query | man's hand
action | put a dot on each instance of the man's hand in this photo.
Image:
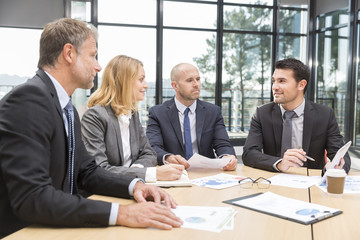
(292, 158)
(147, 214)
(232, 163)
(339, 166)
(177, 159)
(169, 172)
(143, 193)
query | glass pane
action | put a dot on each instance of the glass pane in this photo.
(259, 2)
(246, 79)
(193, 47)
(333, 19)
(293, 21)
(248, 18)
(357, 122)
(331, 72)
(19, 56)
(127, 12)
(138, 43)
(292, 47)
(197, 15)
(81, 10)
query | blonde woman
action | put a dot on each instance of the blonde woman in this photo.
(111, 128)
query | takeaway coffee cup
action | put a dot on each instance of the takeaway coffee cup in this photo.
(335, 181)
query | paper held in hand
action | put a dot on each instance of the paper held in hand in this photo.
(199, 161)
(336, 160)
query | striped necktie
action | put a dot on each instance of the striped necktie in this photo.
(69, 112)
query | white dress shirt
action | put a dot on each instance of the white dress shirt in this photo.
(124, 123)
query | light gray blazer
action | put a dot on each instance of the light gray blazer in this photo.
(102, 138)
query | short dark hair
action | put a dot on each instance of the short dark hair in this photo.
(301, 71)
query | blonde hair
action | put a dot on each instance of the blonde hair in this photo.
(116, 88)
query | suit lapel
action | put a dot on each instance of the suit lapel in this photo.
(277, 127)
(115, 124)
(47, 81)
(132, 139)
(307, 125)
(200, 118)
(173, 115)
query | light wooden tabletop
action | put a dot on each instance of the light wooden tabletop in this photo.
(344, 226)
(247, 224)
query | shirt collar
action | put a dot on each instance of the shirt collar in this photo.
(61, 93)
(181, 107)
(299, 110)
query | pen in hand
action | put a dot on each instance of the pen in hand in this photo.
(310, 158)
(169, 163)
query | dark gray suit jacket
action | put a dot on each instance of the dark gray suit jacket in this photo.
(164, 132)
(33, 164)
(320, 131)
(102, 138)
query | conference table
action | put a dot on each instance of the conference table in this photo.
(248, 224)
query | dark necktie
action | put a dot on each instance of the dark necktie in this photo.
(69, 112)
(287, 131)
(187, 135)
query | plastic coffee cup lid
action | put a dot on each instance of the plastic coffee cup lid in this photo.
(336, 172)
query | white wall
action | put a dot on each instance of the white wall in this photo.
(30, 13)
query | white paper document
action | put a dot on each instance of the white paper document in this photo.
(294, 181)
(218, 181)
(352, 185)
(336, 160)
(284, 207)
(214, 219)
(199, 161)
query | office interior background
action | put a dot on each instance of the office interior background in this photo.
(234, 43)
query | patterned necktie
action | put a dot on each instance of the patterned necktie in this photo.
(69, 112)
(287, 131)
(187, 135)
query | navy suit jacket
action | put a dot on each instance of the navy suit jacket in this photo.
(164, 131)
(33, 164)
(320, 131)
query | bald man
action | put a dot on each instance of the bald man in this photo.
(165, 128)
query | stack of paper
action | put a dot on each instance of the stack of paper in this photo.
(219, 181)
(183, 181)
(214, 219)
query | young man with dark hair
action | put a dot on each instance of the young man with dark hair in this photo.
(284, 132)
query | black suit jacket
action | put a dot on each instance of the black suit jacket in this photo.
(33, 164)
(164, 131)
(320, 131)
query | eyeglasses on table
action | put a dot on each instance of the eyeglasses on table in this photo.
(260, 182)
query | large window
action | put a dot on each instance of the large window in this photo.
(19, 50)
(331, 72)
(293, 32)
(357, 62)
(246, 67)
(234, 53)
